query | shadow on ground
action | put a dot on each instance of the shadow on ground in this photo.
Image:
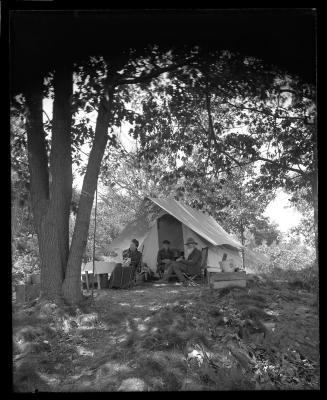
(170, 337)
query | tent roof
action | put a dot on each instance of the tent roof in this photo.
(201, 223)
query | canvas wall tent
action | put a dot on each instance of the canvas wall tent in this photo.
(160, 219)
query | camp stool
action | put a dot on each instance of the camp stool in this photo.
(190, 280)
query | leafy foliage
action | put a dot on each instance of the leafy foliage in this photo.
(302, 201)
(288, 254)
(229, 113)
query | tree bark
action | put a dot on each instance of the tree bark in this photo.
(242, 242)
(61, 160)
(315, 189)
(39, 186)
(71, 288)
(49, 203)
(315, 212)
(37, 155)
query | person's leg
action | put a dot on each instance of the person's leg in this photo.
(167, 273)
(179, 268)
(161, 269)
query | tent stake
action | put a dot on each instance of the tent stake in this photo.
(95, 227)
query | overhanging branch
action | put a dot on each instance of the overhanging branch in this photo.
(145, 77)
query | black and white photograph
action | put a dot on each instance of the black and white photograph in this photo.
(164, 199)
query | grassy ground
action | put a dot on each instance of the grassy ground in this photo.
(170, 337)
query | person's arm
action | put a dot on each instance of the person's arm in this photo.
(195, 258)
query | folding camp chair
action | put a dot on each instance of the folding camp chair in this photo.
(190, 279)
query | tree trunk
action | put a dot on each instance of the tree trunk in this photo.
(49, 204)
(39, 186)
(61, 160)
(315, 190)
(49, 246)
(315, 212)
(71, 287)
(242, 242)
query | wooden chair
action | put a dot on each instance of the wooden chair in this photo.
(192, 278)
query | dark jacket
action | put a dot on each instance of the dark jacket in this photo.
(163, 254)
(135, 256)
(193, 262)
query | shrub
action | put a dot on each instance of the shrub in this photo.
(287, 255)
(25, 258)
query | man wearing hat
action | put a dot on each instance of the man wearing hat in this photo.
(190, 266)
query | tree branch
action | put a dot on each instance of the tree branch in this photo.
(79, 149)
(280, 165)
(47, 116)
(268, 114)
(211, 127)
(127, 188)
(145, 77)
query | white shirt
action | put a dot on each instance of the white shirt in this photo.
(188, 252)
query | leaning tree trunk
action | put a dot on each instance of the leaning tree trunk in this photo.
(315, 200)
(49, 202)
(242, 242)
(315, 212)
(71, 288)
(315, 190)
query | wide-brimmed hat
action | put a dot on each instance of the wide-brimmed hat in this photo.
(190, 241)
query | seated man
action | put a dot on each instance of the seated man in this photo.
(165, 255)
(190, 266)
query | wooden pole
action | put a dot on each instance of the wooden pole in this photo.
(94, 233)
(87, 281)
